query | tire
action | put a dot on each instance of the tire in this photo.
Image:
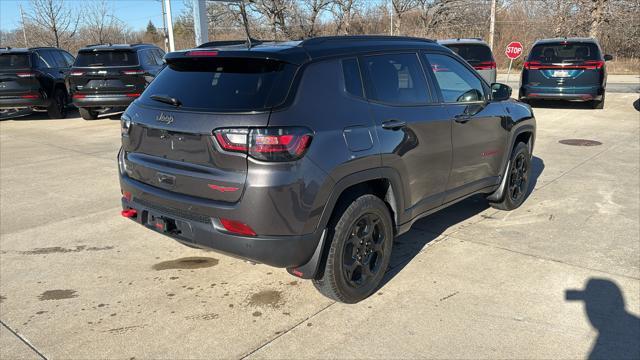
(88, 114)
(359, 254)
(598, 104)
(518, 179)
(58, 107)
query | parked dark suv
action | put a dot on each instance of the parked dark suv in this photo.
(565, 69)
(33, 79)
(314, 155)
(477, 53)
(107, 78)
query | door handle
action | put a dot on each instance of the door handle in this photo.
(462, 118)
(393, 124)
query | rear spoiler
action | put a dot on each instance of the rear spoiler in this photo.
(294, 56)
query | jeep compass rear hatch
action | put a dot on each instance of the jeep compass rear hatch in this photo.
(17, 79)
(106, 72)
(564, 64)
(189, 132)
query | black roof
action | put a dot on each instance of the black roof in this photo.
(567, 39)
(24, 50)
(299, 52)
(99, 47)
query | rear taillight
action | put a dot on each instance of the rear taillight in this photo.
(76, 73)
(79, 96)
(485, 65)
(26, 75)
(532, 65)
(134, 95)
(593, 64)
(31, 96)
(133, 72)
(267, 144)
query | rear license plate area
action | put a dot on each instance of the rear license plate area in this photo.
(561, 73)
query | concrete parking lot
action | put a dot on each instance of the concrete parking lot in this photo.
(79, 281)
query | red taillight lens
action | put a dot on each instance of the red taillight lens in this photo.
(267, 144)
(593, 64)
(532, 65)
(26, 75)
(202, 53)
(79, 96)
(232, 139)
(76, 73)
(133, 72)
(31, 96)
(133, 95)
(485, 65)
(237, 227)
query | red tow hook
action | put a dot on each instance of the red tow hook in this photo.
(129, 213)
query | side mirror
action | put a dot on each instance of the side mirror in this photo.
(500, 92)
(608, 57)
(471, 96)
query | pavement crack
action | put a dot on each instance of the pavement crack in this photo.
(24, 340)
(287, 331)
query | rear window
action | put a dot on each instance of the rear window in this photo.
(564, 52)
(14, 61)
(223, 84)
(106, 58)
(472, 53)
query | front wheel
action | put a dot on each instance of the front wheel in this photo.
(518, 177)
(359, 253)
(88, 114)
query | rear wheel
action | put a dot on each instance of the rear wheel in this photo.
(518, 177)
(88, 114)
(58, 107)
(598, 104)
(360, 251)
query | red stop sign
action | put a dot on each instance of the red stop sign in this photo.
(514, 50)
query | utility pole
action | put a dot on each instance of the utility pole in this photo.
(492, 26)
(24, 32)
(167, 4)
(200, 21)
(164, 27)
(391, 16)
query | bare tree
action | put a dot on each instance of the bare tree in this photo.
(344, 12)
(100, 22)
(400, 8)
(58, 21)
(598, 17)
(277, 12)
(308, 15)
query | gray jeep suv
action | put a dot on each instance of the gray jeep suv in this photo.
(313, 155)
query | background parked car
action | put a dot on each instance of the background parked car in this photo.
(565, 69)
(33, 79)
(106, 78)
(477, 53)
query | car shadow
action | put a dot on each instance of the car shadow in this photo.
(559, 104)
(426, 230)
(618, 330)
(72, 112)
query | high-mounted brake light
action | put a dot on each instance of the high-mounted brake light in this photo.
(133, 72)
(202, 53)
(236, 227)
(76, 73)
(267, 144)
(26, 75)
(485, 65)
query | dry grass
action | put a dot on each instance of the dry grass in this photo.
(624, 66)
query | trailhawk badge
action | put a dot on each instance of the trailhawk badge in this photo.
(164, 118)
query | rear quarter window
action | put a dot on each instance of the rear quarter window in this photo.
(352, 79)
(223, 84)
(106, 58)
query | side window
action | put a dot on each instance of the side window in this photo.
(44, 59)
(68, 58)
(147, 59)
(159, 56)
(396, 79)
(456, 82)
(59, 59)
(352, 80)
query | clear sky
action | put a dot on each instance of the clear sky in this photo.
(135, 13)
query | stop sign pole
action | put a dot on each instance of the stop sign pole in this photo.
(513, 51)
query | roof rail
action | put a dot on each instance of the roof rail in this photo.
(94, 45)
(229, 43)
(141, 43)
(323, 39)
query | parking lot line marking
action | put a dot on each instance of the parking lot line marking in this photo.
(24, 340)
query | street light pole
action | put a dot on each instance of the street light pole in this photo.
(167, 4)
(492, 26)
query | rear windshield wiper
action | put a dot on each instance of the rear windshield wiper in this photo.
(166, 99)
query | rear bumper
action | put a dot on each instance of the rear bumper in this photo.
(103, 101)
(579, 93)
(198, 231)
(10, 102)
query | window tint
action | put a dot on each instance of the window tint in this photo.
(223, 84)
(59, 59)
(45, 59)
(159, 55)
(352, 80)
(564, 52)
(474, 54)
(147, 58)
(456, 82)
(396, 78)
(14, 61)
(106, 58)
(68, 58)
